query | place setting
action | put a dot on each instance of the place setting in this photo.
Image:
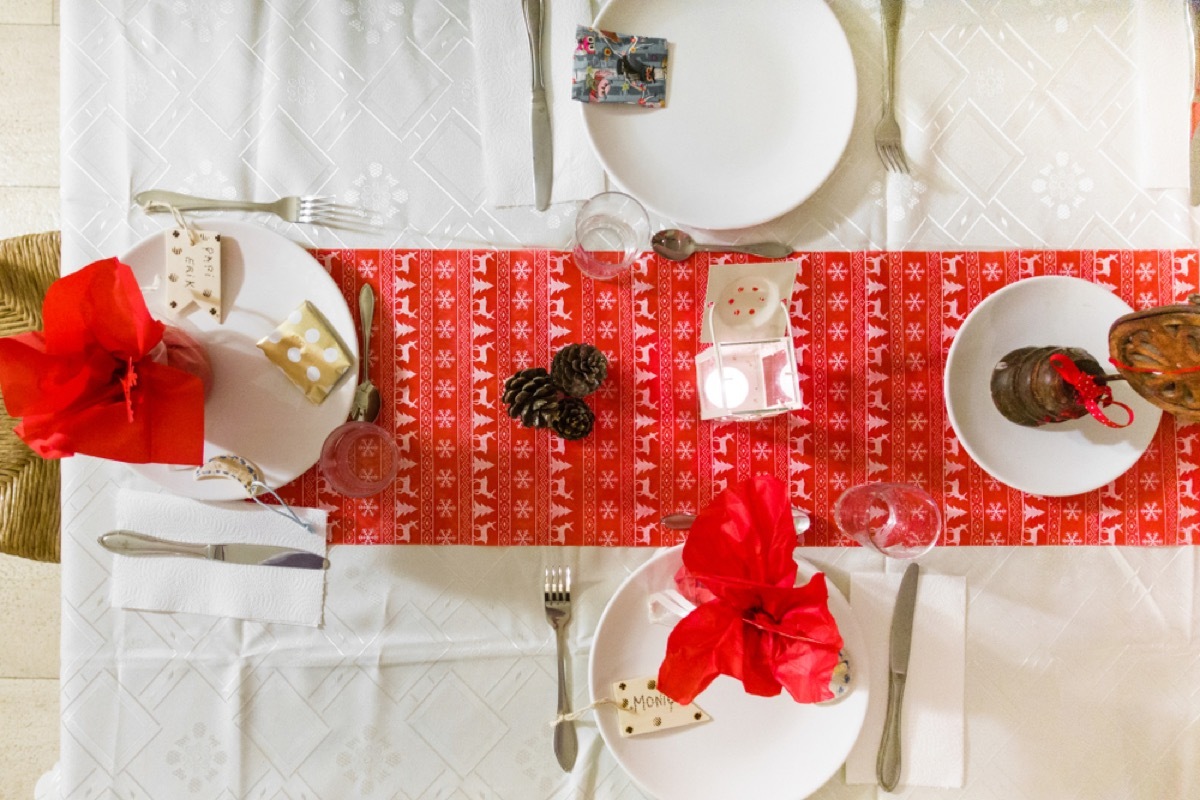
(233, 357)
(730, 664)
(639, 113)
(722, 146)
(722, 677)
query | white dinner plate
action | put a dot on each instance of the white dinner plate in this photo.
(761, 96)
(1053, 460)
(754, 746)
(252, 410)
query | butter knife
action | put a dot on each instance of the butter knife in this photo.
(128, 543)
(543, 149)
(1193, 10)
(887, 765)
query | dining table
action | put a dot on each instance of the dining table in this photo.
(1042, 138)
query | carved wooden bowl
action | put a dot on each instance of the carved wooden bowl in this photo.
(1158, 351)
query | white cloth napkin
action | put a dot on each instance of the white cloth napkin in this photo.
(932, 721)
(1164, 86)
(194, 586)
(503, 76)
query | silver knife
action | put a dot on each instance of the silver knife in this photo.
(543, 149)
(887, 765)
(128, 543)
(1193, 10)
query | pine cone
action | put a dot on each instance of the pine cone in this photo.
(574, 420)
(579, 369)
(532, 397)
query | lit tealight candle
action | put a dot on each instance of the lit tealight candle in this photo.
(787, 384)
(737, 388)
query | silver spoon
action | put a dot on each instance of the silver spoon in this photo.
(679, 245)
(682, 522)
(366, 397)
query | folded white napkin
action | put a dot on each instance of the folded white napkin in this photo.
(931, 723)
(503, 73)
(195, 586)
(1164, 86)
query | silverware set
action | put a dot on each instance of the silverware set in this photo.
(129, 543)
(887, 132)
(307, 210)
(679, 245)
(543, 148)
(682, 522)
(887, 762)
(365, 407)
(557, 594)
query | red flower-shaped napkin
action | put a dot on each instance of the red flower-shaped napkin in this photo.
(88, 382)
(751, 622)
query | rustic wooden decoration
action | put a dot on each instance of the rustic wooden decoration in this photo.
(1158, 351)
(1028, 391)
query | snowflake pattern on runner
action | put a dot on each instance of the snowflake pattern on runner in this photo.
(871, 329)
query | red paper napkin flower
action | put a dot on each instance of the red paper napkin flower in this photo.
(752, 622)
(88, 384)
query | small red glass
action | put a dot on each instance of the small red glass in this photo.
(359, 459)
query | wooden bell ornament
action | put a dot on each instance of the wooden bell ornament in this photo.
(1028, 390)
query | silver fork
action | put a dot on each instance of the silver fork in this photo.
(558, 614)
(887, 132)
(306, 210)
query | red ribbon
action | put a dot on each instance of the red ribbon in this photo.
(1154, 370)
(128, 381)
(1091, 394)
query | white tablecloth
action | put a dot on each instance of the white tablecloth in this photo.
(1027, 125)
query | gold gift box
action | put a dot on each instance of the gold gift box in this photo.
(309, 351)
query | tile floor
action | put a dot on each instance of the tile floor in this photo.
(29, 203)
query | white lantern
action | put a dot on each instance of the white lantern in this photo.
(750, 371)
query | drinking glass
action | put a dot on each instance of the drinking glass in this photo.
(359, 459)
(610, 230)
(898, 520)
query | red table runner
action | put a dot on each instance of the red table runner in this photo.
(871, 331)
